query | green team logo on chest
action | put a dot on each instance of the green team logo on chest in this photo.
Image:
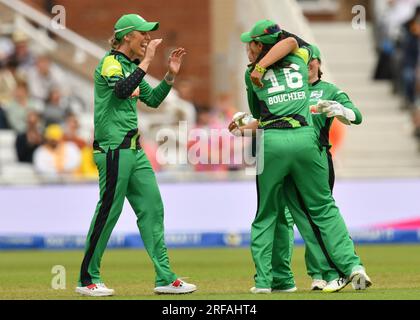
(316, 95)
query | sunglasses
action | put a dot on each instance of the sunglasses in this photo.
(270, 30)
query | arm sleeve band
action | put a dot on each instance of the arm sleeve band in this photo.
(125, 87)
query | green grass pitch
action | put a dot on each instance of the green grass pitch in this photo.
(219, 274)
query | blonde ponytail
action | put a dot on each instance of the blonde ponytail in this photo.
(114, 43)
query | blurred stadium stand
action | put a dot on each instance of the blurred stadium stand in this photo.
(77, 58)
(383, 146)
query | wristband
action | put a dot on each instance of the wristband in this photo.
(260, 69)
(169, 79)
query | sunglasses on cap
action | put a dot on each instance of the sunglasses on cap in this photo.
(270, 30)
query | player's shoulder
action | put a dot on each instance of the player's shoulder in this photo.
(110, 65)
(329, 85)
(333, 89)
(304, 53)
(111, 58)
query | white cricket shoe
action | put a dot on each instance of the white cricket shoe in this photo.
(359, 279)
(318, 284)
(176, 287)
(290, 290)
(95, 290)
(260, 290)
(336, 285)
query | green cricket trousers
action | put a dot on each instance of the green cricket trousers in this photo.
(318, 262)
(295, 153)
(126, 173)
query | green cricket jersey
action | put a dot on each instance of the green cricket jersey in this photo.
(283, 100)
(322, 90)
(115, 119)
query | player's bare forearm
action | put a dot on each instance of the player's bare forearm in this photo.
(276, 53)
(144, 65)
(279, 51)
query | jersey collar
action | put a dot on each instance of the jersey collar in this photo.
(119, 53)
(315, 83)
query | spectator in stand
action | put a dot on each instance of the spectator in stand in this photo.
(7, 79)
(186, 90)
(4, 124)
(416, 122)
(410, 48)
(56, 157)
(71, 131)
(22, 57)
(43, 77)
(225, 107)
(17, 110)
(56, 108)
(410, 68)
(389, 23)
(210, 150)
(87, 167)
(27, 142)
(6, 49)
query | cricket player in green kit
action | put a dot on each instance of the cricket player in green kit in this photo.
(124, 170)
(326, 102)
(291, 149)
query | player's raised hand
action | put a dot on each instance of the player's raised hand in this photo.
(150, 54)
(256, 78)
(151, 49)
(175, 61)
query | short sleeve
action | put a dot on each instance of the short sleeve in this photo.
(303, 53)
(111, 71)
